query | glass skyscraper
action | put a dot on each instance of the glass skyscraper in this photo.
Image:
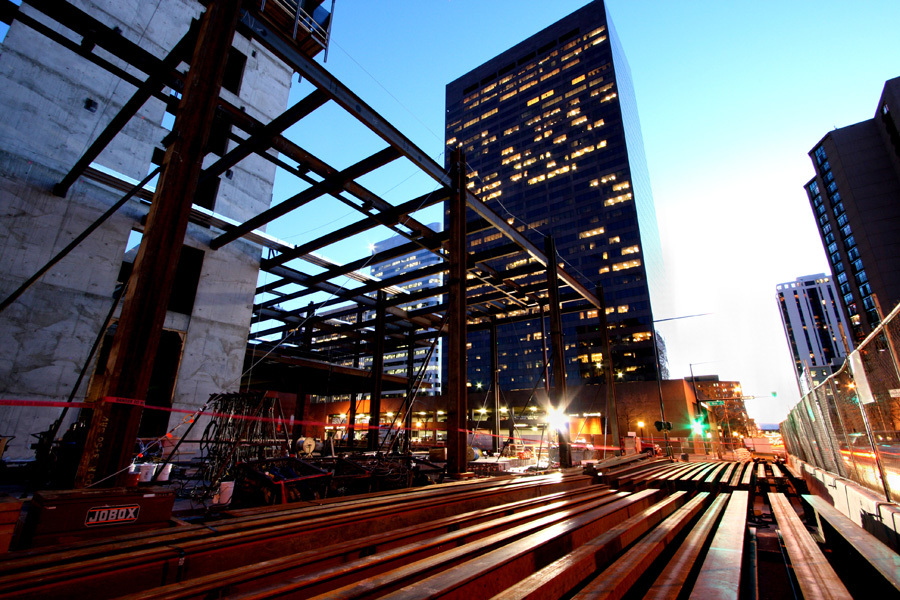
(553, 143)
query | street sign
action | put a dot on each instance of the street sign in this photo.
(715, 403)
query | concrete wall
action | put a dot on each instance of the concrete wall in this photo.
(45, 128)
(863, 507)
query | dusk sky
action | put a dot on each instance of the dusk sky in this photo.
(731, 96)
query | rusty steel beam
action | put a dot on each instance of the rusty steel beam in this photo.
(612, 407)
(457, 394)
(156, 80)
(313, 72)
(353, 104)
(110, 440)
(388, 217)
(374, 435)
(261, 139)
(496, 446)
(329, 185)
(560, 400)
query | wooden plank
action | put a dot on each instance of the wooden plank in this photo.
(482, 561)
(814, 574)
(736, 476)
(793, 472)
(726, 476)
(136, 567)
(612, 477)
(509, 571)
(678, 471)
(673, 578)
(748, 476)
(321, 568)
(561, 577)
(467, 495)
(643, 476)
(776, 472)
(884, 560)
(720, 576)
(616, 580)
(716, 476)
(704, 472)
(720, 472)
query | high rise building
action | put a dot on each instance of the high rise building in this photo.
(814, 326)
(395, 362)
(552, 141)
(855, 197)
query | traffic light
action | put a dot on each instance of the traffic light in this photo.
(697, 426)
(661, 425)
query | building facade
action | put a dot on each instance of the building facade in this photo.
(55, 103)
(395, 362)
(814, 326)
(855, 198)
(552, 141)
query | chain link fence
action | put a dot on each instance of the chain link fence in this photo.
(850, 424)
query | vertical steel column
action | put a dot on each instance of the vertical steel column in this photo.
(546, 356)
(410, 389)
(374, 438)
(110, 442)
(457, 400)
(612, 417)
(354, 397)
(307, 335)
(495, 386)
(560, 402)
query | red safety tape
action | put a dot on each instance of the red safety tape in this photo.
(48, 403)
(118, 400)
(357, 427)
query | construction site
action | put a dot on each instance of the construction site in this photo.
(193, 407)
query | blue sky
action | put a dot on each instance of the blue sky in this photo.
(731, 95)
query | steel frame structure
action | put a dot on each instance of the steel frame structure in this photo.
(333, 334)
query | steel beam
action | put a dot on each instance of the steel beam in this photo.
(110, 441)
(457, 393)
(612, 413)
(156, 80)
(261, 139)
(329, 185)
(560, 401)
(354, 105)
(495, 387)
(374, 437)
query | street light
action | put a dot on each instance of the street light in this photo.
(662, 408)
(641, 426)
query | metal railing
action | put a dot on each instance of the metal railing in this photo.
(850, 424)
(317, 24)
